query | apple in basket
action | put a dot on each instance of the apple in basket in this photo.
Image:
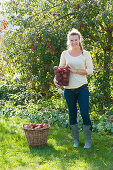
(60, 83)
(39, 126)
(58, 76)
(32, 126)
(65, 75)
(45, 125)
(55, 67)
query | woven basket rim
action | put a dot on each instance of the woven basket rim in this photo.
(36, 129)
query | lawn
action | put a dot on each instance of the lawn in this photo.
(58, 154)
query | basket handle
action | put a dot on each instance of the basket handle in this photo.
(47, 120)
(25, 124)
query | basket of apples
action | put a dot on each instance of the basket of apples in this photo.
(37, 134)
(62, 75)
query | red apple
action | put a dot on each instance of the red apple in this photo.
(55, 72)
(65, 80)
(27, 126)
(65, 83)
(54, 48)
(37, 126)
(37, 34)
(41, 126)
(85, 27)
(101, 86)
(55, 67)
(80, 28)
(65, 71)
(110, 117)
(51, 51)
(104, 97)
(77, 6)
(62, 68)
(44, 87)
(59, 79)
(34, 125)
(65, 17)
(58, 15)
(48, 44)
(36, 39)
(60, 83)
(31, 126)
(32, 48)
(65, 75)
(45, 125)
(58, 70)
(58, 75)
(47, 65)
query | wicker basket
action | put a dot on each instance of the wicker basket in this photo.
(37, 137)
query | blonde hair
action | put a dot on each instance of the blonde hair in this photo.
(75, 32)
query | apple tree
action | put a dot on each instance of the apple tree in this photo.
(35, 44)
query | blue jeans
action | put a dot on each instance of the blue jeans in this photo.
(80, 95)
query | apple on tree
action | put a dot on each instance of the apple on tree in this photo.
(77, 6)
(49, 44)
(54, 48)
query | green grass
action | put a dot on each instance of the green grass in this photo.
(58, 154)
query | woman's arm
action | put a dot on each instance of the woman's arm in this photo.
(77, 71)
(88, 65)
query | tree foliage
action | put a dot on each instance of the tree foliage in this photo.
(35, 44)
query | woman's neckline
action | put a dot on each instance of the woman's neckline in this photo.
(73, 56)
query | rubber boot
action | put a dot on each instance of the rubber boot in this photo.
(75, 134)
(87, 134)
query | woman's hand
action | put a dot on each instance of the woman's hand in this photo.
(56, 82)
(77, 71)
(71, 69)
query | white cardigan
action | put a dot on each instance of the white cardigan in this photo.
(83, 61)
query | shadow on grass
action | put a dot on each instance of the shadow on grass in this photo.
(60, 147)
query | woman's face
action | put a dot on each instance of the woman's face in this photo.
(74, 41)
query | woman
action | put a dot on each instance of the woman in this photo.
(80, 64)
